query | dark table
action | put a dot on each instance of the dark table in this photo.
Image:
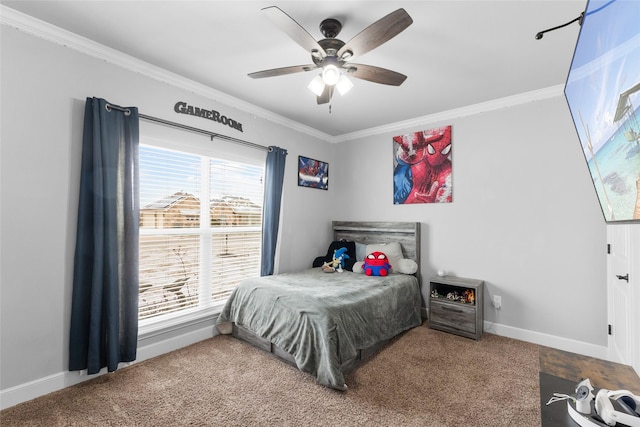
(556, 413)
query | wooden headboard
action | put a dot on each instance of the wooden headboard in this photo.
(407, 233)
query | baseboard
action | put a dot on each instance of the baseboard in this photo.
(32, 389)
(560, 343)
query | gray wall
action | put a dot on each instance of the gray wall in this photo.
(524, 216)
(43, 88)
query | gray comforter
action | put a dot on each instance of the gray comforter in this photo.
(323, 319)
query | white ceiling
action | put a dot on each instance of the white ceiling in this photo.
(455, 54)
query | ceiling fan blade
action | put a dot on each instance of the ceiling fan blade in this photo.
(377, 33)
(376, 74)
(282, 71)
(293, 29)
(326, 95)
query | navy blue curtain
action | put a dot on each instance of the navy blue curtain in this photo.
(273, 180)
(104, 311)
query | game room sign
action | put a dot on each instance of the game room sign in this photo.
(184, 108)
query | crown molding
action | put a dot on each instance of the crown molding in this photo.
(57, 35)
(53, 34)
(470, 110)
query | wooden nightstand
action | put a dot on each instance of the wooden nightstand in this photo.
(456, 305)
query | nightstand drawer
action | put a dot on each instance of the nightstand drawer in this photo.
(453, 315)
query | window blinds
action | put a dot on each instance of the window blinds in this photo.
(200, 229)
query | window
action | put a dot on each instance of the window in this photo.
(200, 229)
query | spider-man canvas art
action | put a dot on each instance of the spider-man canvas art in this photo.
(422, 167)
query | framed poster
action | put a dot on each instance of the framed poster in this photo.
(422, 167)
(313, 173)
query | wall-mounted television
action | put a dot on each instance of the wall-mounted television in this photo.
(603, 93)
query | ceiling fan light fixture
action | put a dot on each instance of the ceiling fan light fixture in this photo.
(330, 74)
(344, 85)
(346, 55)
(331, 55)
(316, 55)
(317, 85)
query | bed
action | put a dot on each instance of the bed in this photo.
(328, 324)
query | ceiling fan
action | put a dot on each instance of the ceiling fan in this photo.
(332, 55)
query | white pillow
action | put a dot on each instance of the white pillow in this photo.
(392, 250)
(406, 266)
(361, 251)
(357, 267)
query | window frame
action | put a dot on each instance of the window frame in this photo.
(177, 140)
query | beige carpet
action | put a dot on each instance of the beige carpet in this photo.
(424, 378)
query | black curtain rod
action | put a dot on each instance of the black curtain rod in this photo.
(202, 131)
(191, 129)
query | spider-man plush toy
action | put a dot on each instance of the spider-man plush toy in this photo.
(376, 264)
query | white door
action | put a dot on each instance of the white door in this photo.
(620, 316)
(635, 296)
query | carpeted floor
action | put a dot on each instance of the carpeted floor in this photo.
(424, 378)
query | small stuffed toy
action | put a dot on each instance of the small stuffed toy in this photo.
(376, 264)
(337, 264)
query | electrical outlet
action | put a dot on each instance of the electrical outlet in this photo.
(497, 301)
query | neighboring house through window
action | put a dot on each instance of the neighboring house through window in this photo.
(200, 229)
